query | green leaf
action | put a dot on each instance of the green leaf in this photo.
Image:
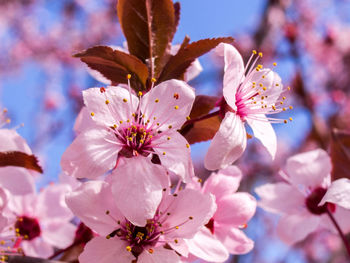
(148, 26)
(340, 154)
(20, 159)
(178, 64)
(116, 65)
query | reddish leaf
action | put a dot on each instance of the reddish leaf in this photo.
(340, 154)
(115, 65)
(178, 64)
(202, 130)
(177, 9)
(203, 105)
(20, 159)
(148, 26)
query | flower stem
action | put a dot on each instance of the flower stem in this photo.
(341, 234)
(209, 115)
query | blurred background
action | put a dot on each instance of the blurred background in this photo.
(41, 84)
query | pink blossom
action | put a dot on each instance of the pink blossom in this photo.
(250, 93)
(127, 126)
(303, 200)
(222, 234)
(178, 216)
(40, 221)
(17, 180)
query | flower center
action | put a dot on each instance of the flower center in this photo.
(28, 227)
(136, 139)
(137, 237)
(314, 199)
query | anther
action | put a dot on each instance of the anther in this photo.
(163, 153)
(92, 114)
(156, 101)
(176, 107)
(107, 102)
(275, 64)
(190, 217)
(176, 96)
(128, 76)
(188, 118)
(153, 80)
(125, 100)
(102, 89)
(139, 93)
(128, 248)
(187, 145)
(260, 54)
(290, 118)
(150, 251)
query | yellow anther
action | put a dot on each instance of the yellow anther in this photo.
(254, 52)
(285, 121)
(128, 76)
(290, 118)
(260, 84)
(2, 242)
(176, 107)
(188, 118)
(291, 107)
(283, 98)
(115, 126)
(190, 217)
(154, 118)
(108, 237)
(134, 115)
(120, 122)
(26, 237)
(125, 100)
(92, 114)
(128, 248)
(177, 227)
(260, 66)
(176, 241)
(262, 97)
(260, 54)
(163, 153)
(277, 84)
(156, 101)
(170, 126)
(288, 88)
(275, 64)
(254, 83)
(273, 107)
(257, 69)
(107, 102)
(263, 76)
(284, 109)
(264, 88)
(141, 141)
(187, 145)
(199, 180)
(281, 102)
(153, 80)
(139, 93)
(150, 250)
(168, 138)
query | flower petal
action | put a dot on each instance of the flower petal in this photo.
(83, 121)
(228, 143)
(263, 131)
(234, 72)
(236, 209)
(103, 250)
(91, 154)
(37, 248)
(189, 210)
(59, 235)
(204, 245)
(310, 169)
(338, 193)
(159, 255)
(118, 108)
(235, 241)
(275, 198)
(137, 188)
(170, 103)
(12, 141)
(224, 182)
(295, 227)
(17, 180)
(174, 153)
(90, 202)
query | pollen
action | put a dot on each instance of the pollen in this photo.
(168, 138)
(139, 93)
(150, 251)
(260, 54)
(274, 64)
(128, 248)
(153, 80)
(156, 101)
(125, 100)
(187, 145)
(188, 118)
(128, 76)
(92, 114)
(176, 107)
(107, 102)
(290, 118)
(176, 96)
(163, 153)
(102, 90)
(283, 98)
(254, 52)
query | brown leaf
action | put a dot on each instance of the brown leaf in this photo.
(115, 65)
(20, 159)
(202, 130)
(203, 105)
(148, 26)
(340, 154)
(178, 64)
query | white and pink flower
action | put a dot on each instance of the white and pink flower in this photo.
(250, 93)
(178, 216)
(125, 126)
(223, 235)
(306, 197)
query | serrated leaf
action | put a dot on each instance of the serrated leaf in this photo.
(115, 65)
(148, 26)
(20, 159)
(178, 64)
(340, 154)
(202, 130)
